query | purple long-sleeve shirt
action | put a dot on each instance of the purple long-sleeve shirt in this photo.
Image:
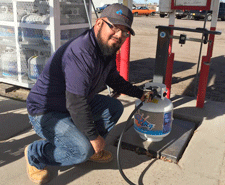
(70, 79)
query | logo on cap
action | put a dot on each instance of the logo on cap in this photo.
(120, 12)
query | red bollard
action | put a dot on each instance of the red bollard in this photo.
(125, 59)
(204, 72)
(203, 80)
(169, 73)
(169, 67)
(118, 61)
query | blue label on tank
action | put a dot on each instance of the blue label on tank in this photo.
(144, 126)
(149, 132)
(167, 122)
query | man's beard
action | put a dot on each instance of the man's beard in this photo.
(105, 49)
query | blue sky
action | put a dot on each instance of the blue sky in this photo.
(143, 1)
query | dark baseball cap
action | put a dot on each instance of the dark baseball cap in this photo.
(119, 14)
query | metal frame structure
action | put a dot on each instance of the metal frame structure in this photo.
(205, 64)
(54, 27)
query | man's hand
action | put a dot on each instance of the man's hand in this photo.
(98, 144)
(146, 97)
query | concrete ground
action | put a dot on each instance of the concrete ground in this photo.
(203, 161)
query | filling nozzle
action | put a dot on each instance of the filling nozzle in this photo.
(154, 90)
(158, 89)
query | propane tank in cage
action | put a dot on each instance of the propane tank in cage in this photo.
(153, 121)
(5, 13)
(35, 66)
(9, 68)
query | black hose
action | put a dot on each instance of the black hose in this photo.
(119, 145)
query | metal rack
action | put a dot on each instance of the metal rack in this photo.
(32, 30)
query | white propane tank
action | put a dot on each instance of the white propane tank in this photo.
(153, 121)
(35, 66)
(30, 35)
(5, 14)
(9, 63)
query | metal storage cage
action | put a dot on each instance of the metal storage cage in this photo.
(31, 31)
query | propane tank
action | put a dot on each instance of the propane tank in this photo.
(30, 35)
(5, 14)
(9, 63)
(153, 121)
(35, 66)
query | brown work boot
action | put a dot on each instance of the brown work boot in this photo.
(102, 157)
(34, 174)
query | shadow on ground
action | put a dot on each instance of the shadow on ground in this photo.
(209, 112)
(143, 70)
(215, 90)
(13, 150)
(14, 119)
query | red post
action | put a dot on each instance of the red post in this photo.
(169, 67)
(204, 72)
(169, 73)
(125, 59)
(118, 61)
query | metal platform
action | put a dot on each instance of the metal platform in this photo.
(170, 148)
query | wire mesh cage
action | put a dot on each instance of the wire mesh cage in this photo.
(7, 34)
(30, 31)
(9, 64)
(66, 35)
(72, 13)
(6, 11)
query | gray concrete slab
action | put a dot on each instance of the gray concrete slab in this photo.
(202, 162)
(170, 148)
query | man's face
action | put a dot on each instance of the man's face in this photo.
(110, 39)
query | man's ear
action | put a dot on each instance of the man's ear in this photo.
(97, 26)
(99, 22)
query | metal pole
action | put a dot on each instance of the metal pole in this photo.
(85, 5)
(94, 8)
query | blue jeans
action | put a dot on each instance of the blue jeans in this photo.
(63, 144)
